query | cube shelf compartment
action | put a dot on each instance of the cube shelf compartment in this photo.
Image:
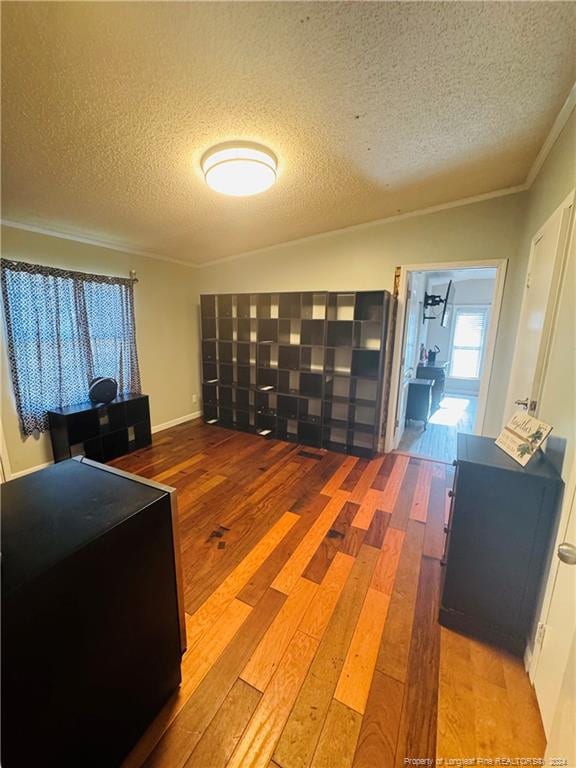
(288, 406)
(267, 330)
(305, 367)
(289, 382)
(312, 332)
(289, 331)
(339, 333)
(289, 358)
(209, 328)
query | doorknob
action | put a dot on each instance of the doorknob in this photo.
(523, 403)
(567, 553)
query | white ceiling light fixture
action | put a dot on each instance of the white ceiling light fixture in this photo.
(239, 168)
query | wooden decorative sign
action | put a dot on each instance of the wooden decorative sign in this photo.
(522, 437)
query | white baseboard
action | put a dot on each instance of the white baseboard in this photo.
(175, 422)
(157, 428)
(528, 658)
(22, 472)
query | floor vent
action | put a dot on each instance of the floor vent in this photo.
(308, 455)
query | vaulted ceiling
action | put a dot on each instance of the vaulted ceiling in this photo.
(372, 108)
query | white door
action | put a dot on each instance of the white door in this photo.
(412, 318)
(536, 317)
(559, 626)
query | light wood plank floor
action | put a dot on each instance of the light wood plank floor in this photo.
(457, 413)
(312, 584)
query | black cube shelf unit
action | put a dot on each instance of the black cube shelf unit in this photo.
(303, 367)
(101, 432)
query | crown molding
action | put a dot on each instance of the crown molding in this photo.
(375, 223)
(94, 241)
(555, 131)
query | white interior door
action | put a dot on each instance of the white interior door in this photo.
(560, 627)
(409, 354)
(540, 292)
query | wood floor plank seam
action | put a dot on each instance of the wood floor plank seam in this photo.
(295, 566)
(404, 482)
(300, 736)
(178, 743)
(418, 723)
(419, 509)
(267, 572)
(342, 536)
(173, 470)
(388, 559)
(225, 730)
(339, 476)
(314, 622)
(378, 738)
(355, 678)
(337, 742)
(259, 740)
(367, 478)
(394, 484)
(213, 608)
(270, 650)
(395, 645)
(247, 508)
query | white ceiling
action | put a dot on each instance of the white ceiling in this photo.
(374, 109)
(458, 275)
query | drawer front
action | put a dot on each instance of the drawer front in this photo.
(448, 526)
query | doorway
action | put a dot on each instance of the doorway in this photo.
(447, 328)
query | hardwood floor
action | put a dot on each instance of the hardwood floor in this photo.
(312, 583)
(438, 441)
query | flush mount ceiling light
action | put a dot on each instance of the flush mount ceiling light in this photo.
(239, 168)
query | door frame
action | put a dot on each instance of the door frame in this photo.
(565, 242)
(532, 655)
(533, 652)
(501, 266)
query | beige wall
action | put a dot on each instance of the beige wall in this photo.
(166, 302)
(365, 258)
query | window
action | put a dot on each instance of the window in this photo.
(63, 330)
(469, 331)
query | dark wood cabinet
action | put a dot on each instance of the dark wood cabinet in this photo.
(502, 520)
(437, 373)
(103, 432)
(419, 403)
(303, 367)
(92, 619)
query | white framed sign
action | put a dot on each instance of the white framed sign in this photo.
(522, 437)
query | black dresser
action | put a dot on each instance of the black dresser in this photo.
(103, 432)
(437, 373)
(499, 533)
(92, 628)
(419, 403)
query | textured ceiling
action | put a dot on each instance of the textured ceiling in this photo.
(372, 108)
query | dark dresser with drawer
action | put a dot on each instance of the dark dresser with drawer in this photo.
(437, 373)
(499, 533)
(419, 403)
(102, 432)
(92, 616)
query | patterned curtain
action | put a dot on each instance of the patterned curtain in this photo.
(63, 330)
